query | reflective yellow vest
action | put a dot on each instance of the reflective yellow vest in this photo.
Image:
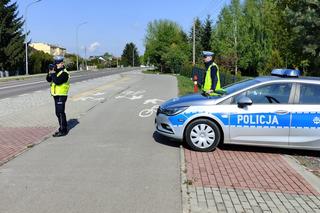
(208, 80)
(60, 90)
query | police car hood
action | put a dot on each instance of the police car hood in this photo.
(190, 100)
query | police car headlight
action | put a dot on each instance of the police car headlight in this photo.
(174, 110)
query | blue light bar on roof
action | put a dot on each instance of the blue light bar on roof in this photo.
(285, 73)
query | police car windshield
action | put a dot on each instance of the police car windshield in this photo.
(240, 85)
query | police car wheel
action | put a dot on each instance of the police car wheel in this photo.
(203, 135)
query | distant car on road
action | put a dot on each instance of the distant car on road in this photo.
(281, 110)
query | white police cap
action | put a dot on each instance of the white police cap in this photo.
(58, 59)
(207, 53)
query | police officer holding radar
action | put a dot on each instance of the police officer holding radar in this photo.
(211, 84)
(59, 80)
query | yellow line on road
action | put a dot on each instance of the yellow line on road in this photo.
(97, 89)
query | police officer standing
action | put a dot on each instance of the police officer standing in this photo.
(59, 80)
(211, 84)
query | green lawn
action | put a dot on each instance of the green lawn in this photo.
(185, 85)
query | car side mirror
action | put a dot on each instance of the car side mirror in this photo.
(244, 101)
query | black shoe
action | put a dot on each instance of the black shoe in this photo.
(59, 134)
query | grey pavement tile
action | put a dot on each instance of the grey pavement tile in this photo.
(294, 203)
(257, 209)
(228, 204)
(238, 208)
(231, 210)
(288, 205)
(271, 204)
(221, 207)
(226, 197)
(203, 205)
(253, 202)
(246, 205)
(315, 199)
(306, 207)
(264, 206)
(260, 200)
(300, 209)
(311, 204)
(243, 198)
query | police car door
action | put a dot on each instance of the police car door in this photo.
(267, 120)
(305, 126)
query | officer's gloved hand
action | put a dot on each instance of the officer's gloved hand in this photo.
(51, 68)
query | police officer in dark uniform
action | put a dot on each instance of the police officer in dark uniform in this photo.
(212, 85)
(59, 80)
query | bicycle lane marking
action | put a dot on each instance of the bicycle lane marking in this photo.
(149, 111)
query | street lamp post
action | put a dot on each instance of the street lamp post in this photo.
(26, 33)
(77, 41)
(132, 56)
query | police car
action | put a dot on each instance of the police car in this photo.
(281, 110)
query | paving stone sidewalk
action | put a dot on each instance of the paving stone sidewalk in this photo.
(244, 181)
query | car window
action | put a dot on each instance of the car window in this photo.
(278, 93)
(240, 85)
(309, 94)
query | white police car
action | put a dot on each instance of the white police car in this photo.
(282, 110)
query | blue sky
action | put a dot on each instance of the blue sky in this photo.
(110, 24)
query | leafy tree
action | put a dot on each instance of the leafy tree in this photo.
(11, 37)
(71, 61)
(166, 45)
(198, 45)
(39, 61)
(206, 34)
(130, 55)
(304, 19)
(226, 40)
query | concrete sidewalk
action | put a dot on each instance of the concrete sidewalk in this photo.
(228, 180)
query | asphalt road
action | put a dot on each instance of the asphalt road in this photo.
(111, 161)
(31, 84)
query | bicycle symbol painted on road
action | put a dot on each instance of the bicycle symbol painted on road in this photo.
(149, 111)
(131, 95)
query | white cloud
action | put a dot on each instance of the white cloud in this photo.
(94, 46)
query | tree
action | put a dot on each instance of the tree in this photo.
(39, 61)
(70, 61)
(11, 37)
(166, 45)
(304, 19)
(130, 55)
(198, 45)
(226, 40)
(206, 34)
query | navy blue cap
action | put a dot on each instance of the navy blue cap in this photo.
(58, 59)
(51, 66)
(207, 53)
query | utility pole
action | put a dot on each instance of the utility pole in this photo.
(194, 43)
(26, 34)
(85, 58)
(132, 56)
(77, 41)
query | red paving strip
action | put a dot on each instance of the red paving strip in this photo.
(13, 141)
(245, 170)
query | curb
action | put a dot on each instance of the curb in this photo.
(185, 198)
(311, 178)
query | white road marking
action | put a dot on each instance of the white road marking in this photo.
(153, 101)
(148, 112)
(131, 95)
